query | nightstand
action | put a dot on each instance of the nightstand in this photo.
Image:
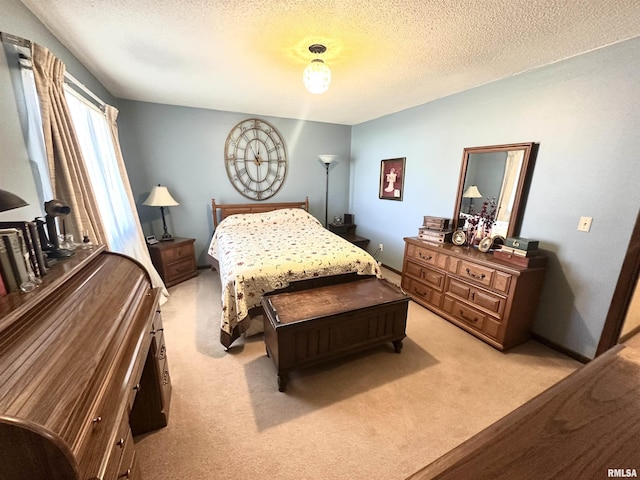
(348, 232)
(175, 260)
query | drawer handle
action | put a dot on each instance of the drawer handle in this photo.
(422, 294)
(473, 296)
(138, 387)
(472, 320)
(126, 474)
(165, 378)
(153, 332)
(120, 442)
(163, 352)
(97, 419)
(424, 257)
(473, 275)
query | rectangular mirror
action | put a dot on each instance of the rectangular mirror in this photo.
(499, 172)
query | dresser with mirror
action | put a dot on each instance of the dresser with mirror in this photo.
(492, 299)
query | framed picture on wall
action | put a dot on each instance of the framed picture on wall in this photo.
(392, 178)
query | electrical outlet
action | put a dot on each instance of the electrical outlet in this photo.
(381, 247)
(585, 224)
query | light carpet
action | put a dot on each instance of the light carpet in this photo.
(375, 415)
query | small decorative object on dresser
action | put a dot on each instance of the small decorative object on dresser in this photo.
(435, 229)
(459, 237)
(493, 300)
(485, 244)
(175, 261)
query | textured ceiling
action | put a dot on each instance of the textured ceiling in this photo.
(385, 55)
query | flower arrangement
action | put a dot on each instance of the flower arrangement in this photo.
(484, 220)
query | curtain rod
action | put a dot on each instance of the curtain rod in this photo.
(15, 40)
(69, 79)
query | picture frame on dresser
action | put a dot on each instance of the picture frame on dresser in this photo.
(392, 173)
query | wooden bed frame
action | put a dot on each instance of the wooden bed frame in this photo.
(227, 209)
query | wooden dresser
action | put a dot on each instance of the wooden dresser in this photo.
(83, 369)
(494, 300)
(584, 427)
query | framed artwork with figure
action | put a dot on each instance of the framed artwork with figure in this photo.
(392, 178)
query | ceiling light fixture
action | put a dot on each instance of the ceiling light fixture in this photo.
(317, 76)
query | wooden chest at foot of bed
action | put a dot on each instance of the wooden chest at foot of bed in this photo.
(312, 326)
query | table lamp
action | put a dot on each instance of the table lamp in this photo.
(160, 197)
(9, 201)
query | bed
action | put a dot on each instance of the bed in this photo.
(259, 248)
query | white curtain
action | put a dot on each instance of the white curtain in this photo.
(35, 137)
(121, 226)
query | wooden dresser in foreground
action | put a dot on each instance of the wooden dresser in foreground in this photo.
(584, 427)
(83, 369)
(494, 300)
(175, 260)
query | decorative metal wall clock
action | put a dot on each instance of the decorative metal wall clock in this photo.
(256, 159)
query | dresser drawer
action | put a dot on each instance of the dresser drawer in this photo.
(122, 452)
(476, 273)
(487, 324)
(97, 447)
(178, 253)
(485, 276)
(157, 334)
(426, 275)
(166, 385)
(427, 256)
(464, 313)
(180, 269)
(422, 291)
(492, 303)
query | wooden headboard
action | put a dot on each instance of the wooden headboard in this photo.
(233, 208)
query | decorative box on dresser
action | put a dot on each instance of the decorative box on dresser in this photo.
(175, 260)
(494, 300)
(83, 369)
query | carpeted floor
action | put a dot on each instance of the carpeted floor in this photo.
(375, 416)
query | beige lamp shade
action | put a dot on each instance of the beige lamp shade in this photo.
(472, 192)
(160, 197)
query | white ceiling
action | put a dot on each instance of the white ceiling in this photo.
(385, 55)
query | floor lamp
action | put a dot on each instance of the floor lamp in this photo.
(326, 159)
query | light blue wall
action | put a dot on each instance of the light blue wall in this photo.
(585, 114)
(183, 148)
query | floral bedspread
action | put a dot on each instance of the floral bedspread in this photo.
(262, 252)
